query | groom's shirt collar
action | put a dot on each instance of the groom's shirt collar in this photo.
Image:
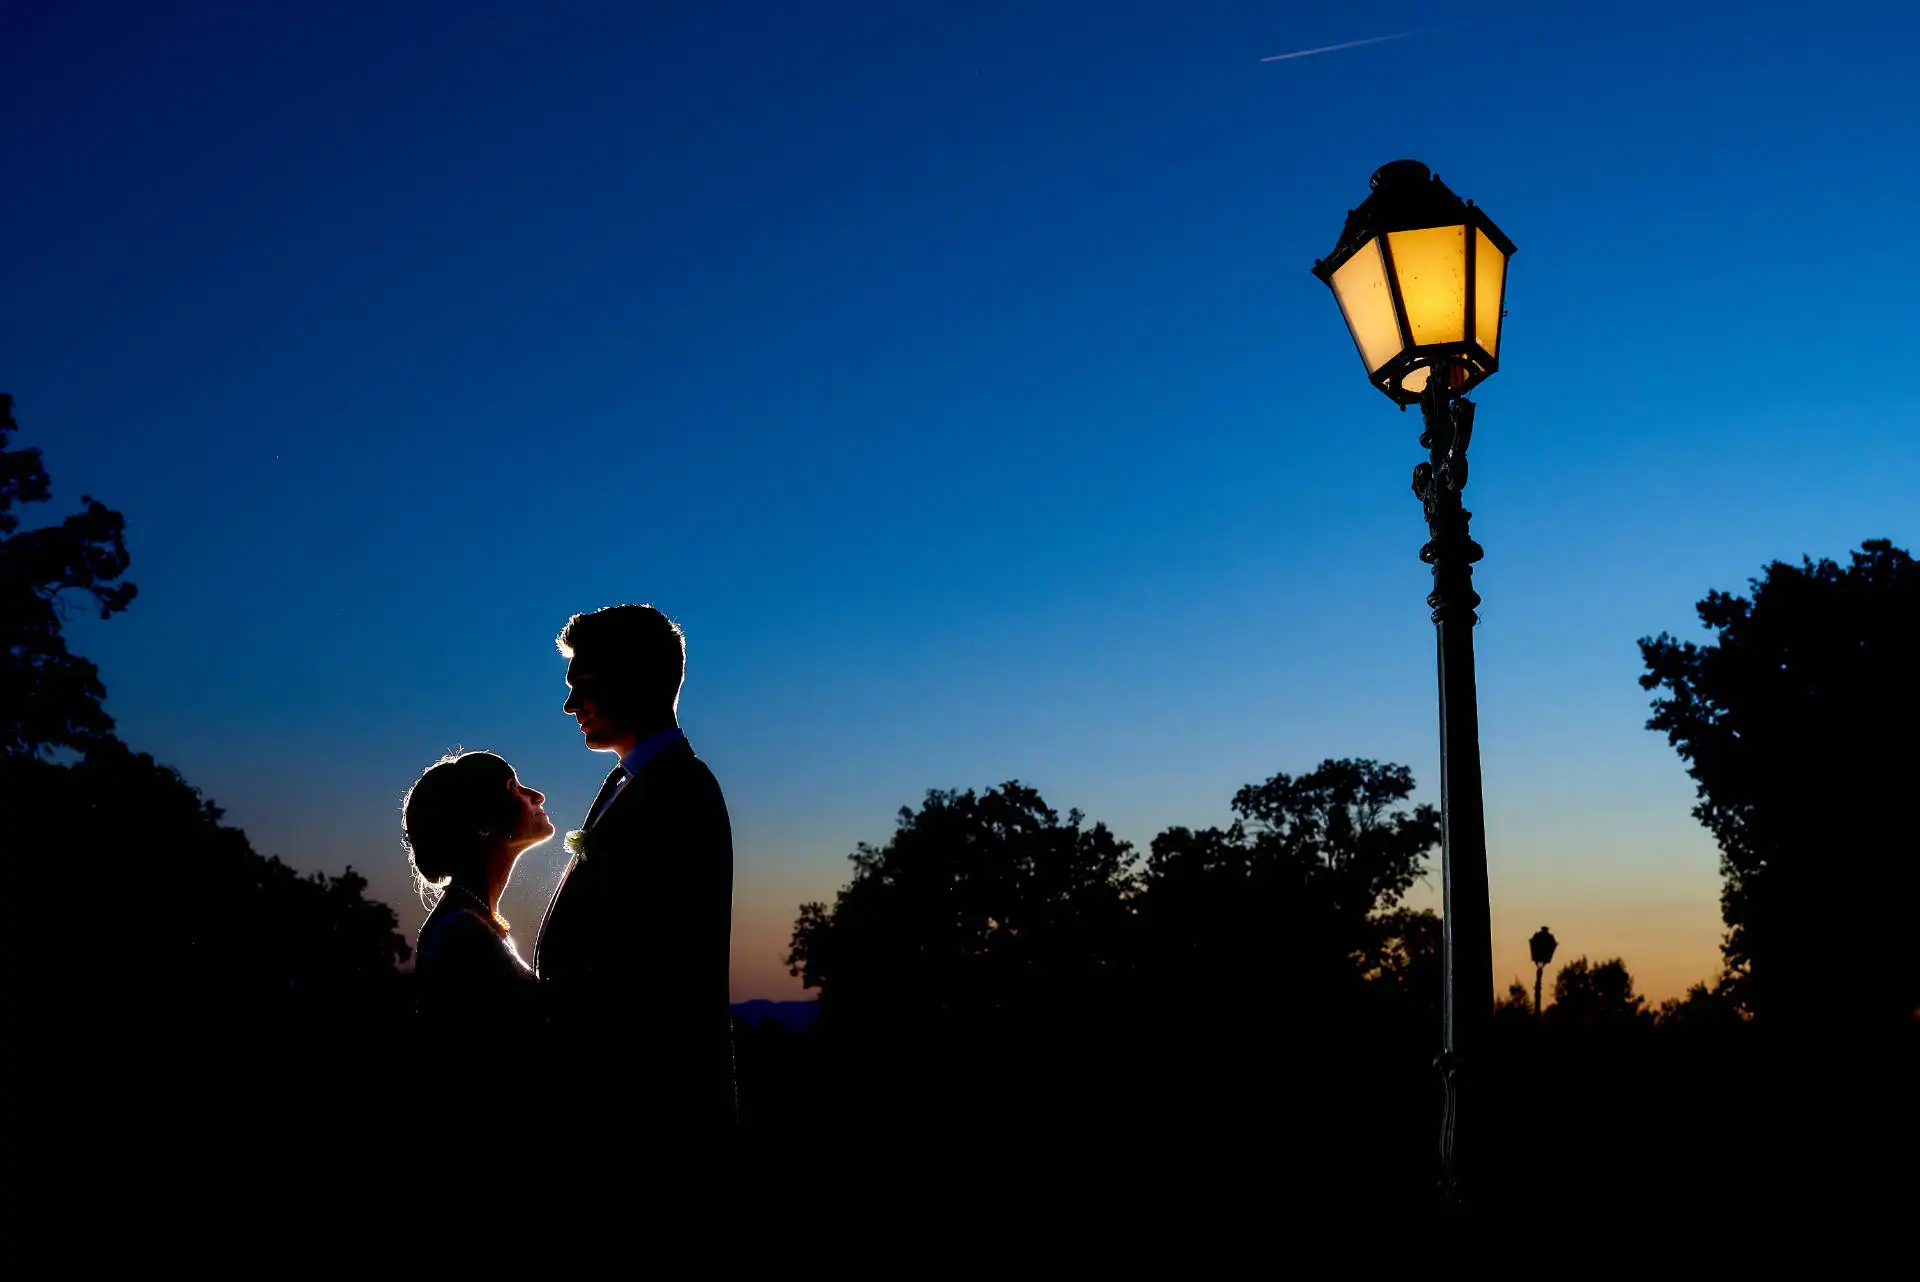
(650, 747)
(641, 753)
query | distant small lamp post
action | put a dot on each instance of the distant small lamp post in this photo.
(1421, 278)
(1541, 946)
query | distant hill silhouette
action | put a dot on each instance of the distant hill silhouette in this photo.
(795, 1017)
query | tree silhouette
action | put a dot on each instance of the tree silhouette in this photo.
(1704, 1009)
(989, 903)
(50, 698)
(1341, 829)
(1793, 724)
(119, 885)
(1301, 887)
(994, 964)
(174, 908)
(966, 970)
(980, 904)
(1515, 1010)
(1408, 957)
(1596, 996)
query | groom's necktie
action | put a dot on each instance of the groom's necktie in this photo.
(608, 791)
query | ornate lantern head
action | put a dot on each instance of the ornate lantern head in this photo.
(1542, 945)
(1421, 277)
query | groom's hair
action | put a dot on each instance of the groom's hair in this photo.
(641, 653)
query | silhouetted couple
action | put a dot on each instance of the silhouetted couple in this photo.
(626, 1000)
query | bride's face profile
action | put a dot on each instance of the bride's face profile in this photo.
(468, 819)
(531, 825)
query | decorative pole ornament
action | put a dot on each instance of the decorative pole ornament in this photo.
(1421, 277)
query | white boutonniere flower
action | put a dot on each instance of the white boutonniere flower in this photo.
(576, 844)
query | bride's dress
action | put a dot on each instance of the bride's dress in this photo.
(465, 958)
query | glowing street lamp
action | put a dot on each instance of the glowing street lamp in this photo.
(1421, 278)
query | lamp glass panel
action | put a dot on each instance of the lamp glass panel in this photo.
(1416, 379)
(1489, 290)
(1360, 284)
(1432, 266)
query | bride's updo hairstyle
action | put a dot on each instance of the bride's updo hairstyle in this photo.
(449, 815)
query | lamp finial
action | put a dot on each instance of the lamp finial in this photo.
(1397, 172)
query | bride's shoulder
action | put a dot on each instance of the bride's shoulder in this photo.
(452, 931)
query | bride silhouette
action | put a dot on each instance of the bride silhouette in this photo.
(466, 822)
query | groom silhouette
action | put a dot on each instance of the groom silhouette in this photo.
(633, 952)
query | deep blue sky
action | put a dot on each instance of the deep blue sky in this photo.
(953, 373)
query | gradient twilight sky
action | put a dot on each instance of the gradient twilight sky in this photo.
(953, 373)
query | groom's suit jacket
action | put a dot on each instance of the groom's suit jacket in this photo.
(633, 953)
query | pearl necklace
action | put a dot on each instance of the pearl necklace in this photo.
(485, 910)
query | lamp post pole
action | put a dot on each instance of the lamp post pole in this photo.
(1421, 278)
(1468, 937)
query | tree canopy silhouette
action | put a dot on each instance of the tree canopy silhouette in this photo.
(120, 882)
(178, 907)
(996, 964)
(1597, 996)
(50, 698)
(1706, 1009)
(1302, 888)
(979, 905)
(987, 904)
(1793, 724)
(1515, 1010)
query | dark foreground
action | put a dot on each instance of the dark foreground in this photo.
(1114, 1130)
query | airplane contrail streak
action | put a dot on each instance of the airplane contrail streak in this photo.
(1351, 44)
